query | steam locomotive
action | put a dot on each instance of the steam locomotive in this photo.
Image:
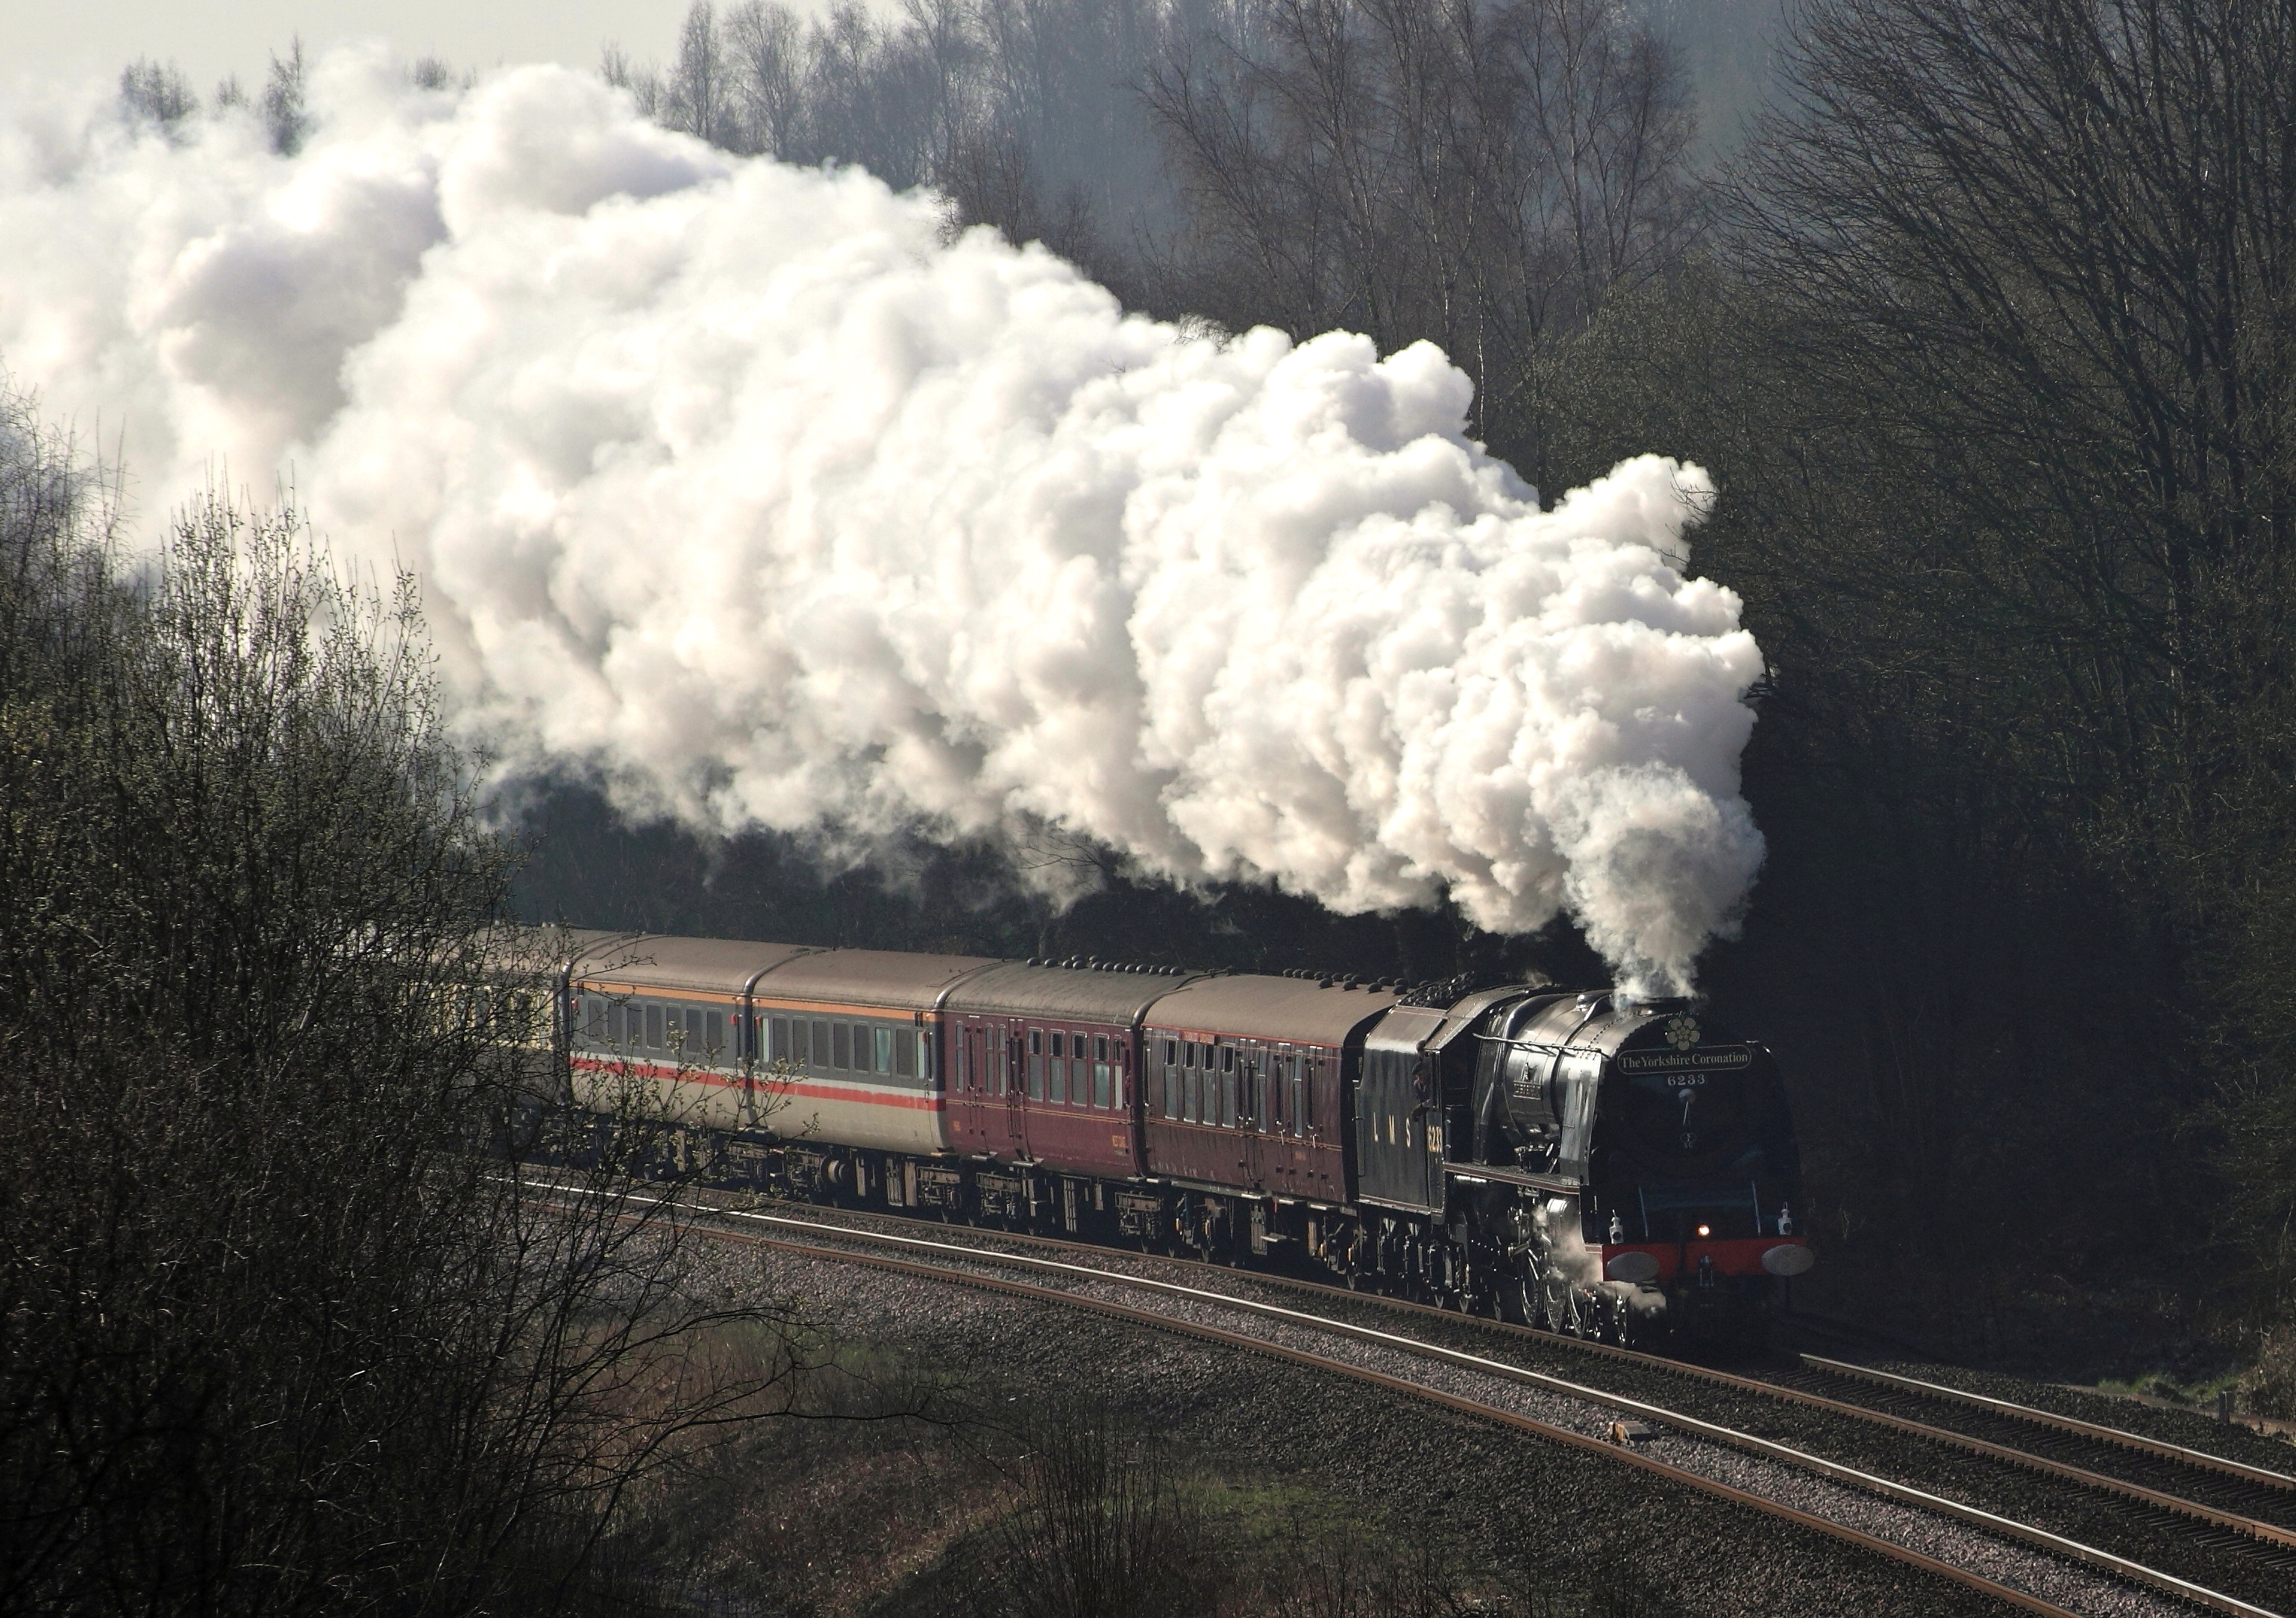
(1603, 1166)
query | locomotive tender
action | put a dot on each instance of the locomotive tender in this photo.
(1598, 1165)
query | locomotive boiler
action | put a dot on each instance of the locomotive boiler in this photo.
(1586, 1162)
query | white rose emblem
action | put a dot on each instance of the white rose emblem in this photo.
(1682, 1032)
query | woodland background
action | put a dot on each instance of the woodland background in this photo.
(1982, 312)
(1983, 315)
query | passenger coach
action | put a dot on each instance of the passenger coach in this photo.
(1600, 1165)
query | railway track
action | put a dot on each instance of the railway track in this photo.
(2251, 1509)
(1491, 1388)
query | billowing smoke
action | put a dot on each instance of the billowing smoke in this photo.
(746, 489)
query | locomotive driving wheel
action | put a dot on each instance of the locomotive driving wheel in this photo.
(1561, 1308)
(1617, 1321)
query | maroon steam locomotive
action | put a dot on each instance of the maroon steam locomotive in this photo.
(1598, 1165)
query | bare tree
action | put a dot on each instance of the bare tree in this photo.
(1483, 176)
(278, 1334)
(697, 95)
(159, 93)
(284, 114)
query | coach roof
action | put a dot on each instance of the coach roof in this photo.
(1059, 994)
(892, 979)
(1269, 1009)
(661, 964)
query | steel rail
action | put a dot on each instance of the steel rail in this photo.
(1904, 1494)
(2200, 1460)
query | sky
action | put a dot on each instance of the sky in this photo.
(47, 39)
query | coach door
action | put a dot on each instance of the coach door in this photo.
(1252, 1105)
(990, 1086)
(1007, 1057)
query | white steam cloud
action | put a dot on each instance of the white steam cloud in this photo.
(741, 486)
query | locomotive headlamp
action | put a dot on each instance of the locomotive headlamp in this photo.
(1705, 1230)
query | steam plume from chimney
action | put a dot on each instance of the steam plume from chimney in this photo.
(743, 487)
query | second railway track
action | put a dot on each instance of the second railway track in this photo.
(1875, 1498)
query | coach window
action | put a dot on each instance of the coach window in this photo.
(778, 1047)
(905, 1052)
(817, 1052)
(1171, 1086)
(715, 1037)
(1058, 1087)
(1035, 1065)
(595, 1011)
(653, 1028)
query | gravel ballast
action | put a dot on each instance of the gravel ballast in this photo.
(1388, 1452)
